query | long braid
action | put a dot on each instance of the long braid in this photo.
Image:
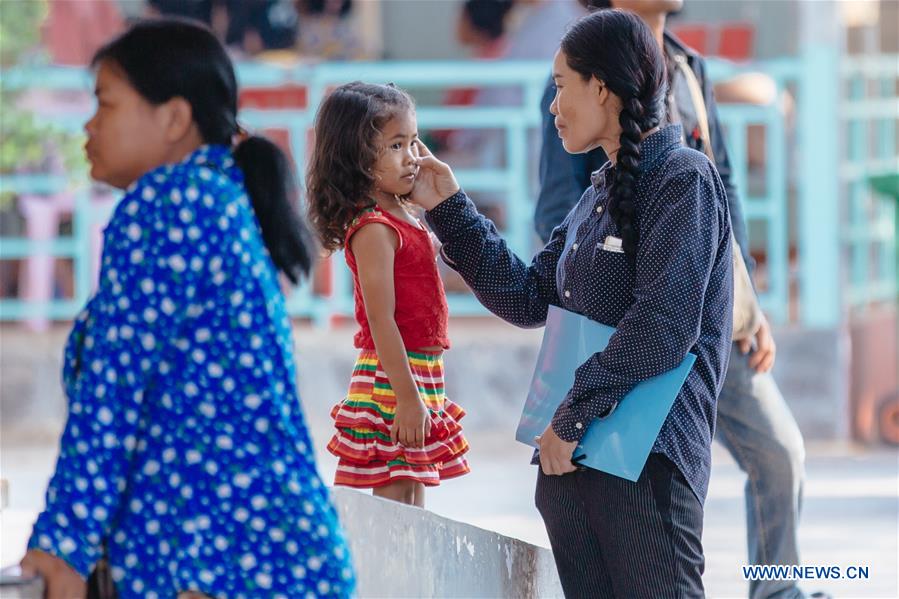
(637, 115)
(626, 171)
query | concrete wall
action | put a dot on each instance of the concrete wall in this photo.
(812, 371)
(403, 551)
(420, 30)
(488, 371)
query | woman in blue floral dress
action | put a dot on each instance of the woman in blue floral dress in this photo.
(185, 457)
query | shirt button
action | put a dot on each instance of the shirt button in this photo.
(574, 247)
(578, 425)
(599, 210)
(567, 293)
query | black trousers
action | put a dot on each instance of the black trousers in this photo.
(615, 538)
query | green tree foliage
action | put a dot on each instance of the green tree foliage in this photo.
(26, 144)
(20, 22)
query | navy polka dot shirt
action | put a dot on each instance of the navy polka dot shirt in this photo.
(676, 298)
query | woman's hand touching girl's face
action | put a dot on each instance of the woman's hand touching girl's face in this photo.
(435, 181)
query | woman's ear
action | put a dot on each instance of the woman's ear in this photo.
(599, 90)
(177, 118)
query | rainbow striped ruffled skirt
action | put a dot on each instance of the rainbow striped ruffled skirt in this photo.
(367, 457)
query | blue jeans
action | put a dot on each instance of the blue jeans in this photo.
(757, 428)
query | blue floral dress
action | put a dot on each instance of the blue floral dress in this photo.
(185, 452)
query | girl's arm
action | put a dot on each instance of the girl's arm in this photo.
(374, 246)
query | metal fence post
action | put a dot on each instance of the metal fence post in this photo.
(820, 258)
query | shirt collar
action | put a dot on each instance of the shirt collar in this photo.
(673, 45)
(652, 149)
(211, 155)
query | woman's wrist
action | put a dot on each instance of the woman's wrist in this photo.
(431, 203)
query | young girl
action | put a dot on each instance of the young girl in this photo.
(185, 456)
(396, 431)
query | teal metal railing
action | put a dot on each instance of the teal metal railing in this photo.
(769, 204)
(806, 175)
(870, 117)
(845, 134)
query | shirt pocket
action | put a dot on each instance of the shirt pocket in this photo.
(611, 269)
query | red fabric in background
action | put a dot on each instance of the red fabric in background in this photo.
(75, 29)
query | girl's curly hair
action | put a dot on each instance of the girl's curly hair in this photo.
(339, 179)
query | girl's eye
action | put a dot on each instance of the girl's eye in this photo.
(397, 146)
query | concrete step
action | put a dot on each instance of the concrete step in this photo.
(404, 551)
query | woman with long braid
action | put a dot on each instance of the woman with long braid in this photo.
(646, 250)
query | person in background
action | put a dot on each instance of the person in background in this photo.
(524, 30)
(263, 28)
(481, 27)
(248, 27)
(327, 31)
(198, 10)
(535, 27)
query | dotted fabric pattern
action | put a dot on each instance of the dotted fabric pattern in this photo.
(677, 298)
(185, 451)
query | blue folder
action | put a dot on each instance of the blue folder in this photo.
(619, 443)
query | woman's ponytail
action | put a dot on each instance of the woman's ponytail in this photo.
(270, 184)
